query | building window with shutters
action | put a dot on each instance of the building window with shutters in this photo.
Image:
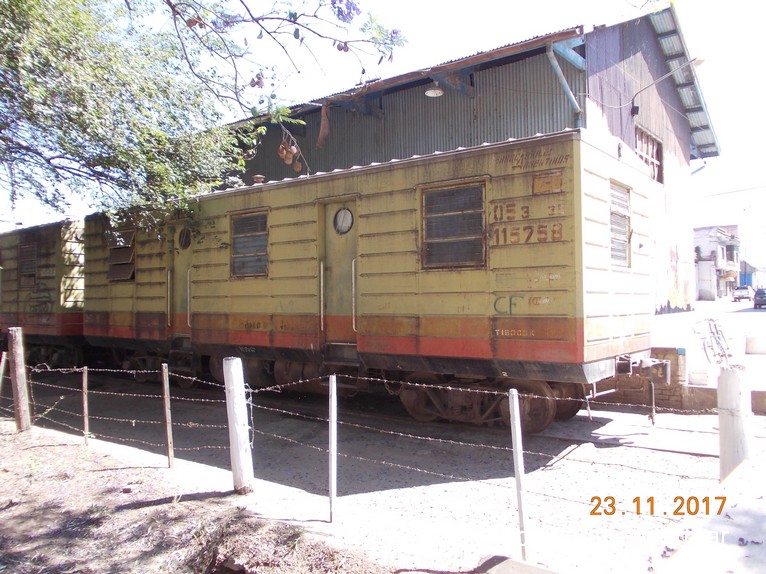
(249, 245)
(649, 148)
(453, 227)
(620, 225)
(27, 265)
(122, 255)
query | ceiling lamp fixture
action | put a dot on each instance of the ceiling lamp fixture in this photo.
(435, 91)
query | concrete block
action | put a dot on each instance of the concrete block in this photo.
(755, 345)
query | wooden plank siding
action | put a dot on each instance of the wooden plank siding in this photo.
(509, 301)
(47, 299)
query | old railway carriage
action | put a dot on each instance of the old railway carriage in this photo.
(465, 268)
(41, 291)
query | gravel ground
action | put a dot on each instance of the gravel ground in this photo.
(445, 503)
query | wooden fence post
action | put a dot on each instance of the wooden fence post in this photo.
(168, 421)
(3, 358)
(19, 380)
(239, 435)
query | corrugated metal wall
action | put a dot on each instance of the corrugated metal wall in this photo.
(624, 60)
(515, 100)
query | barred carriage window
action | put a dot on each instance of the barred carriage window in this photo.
(649, 149)
(453, 227)
(249, 245)
(620, 225)
(122, 255)
(27, 265)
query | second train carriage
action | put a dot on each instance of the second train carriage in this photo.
(42, 291)
(520, 264)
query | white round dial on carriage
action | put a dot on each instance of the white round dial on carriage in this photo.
(343, 220)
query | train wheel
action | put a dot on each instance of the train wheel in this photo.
(146, 368)
(215, 366)
(256, 374)
(282, 373)
(184, 382)
(537, 404)
(418, 401)
(419, 405)
(36, 356)
(569, 399)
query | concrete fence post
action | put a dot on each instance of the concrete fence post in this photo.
(518, 464)
(239, 435)
(333, 442)
(734, 419)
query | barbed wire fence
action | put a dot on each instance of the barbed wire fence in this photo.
(63, 399)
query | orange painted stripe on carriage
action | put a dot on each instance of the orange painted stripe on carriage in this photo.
(256, 339)
(339, 328)
(296, 341)
(121, 332)
(455, 347)
(254, 329)
(513, 338)
(248, 338)
(385, 345)
(452, 325)
(261, 339)
(51, 324)
(179, 326)
(512, 350)
(95, 331)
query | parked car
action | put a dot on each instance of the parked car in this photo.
(759, 299)
(743, 292)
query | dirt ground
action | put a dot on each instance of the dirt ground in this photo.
(442, 504)
(68, 508)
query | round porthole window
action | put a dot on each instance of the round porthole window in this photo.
(184, 238)
(343, 220)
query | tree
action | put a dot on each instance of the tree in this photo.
(98, 98)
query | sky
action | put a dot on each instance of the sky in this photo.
(724, 35)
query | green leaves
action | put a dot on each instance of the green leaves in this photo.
(88, 109)
(121, 102)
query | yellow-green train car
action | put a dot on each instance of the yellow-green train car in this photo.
(524, 263)
(41, 291)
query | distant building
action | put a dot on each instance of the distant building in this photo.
(748, 275)
(717, 261)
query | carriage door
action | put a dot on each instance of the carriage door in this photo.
(179, 319)
(339, 282)
(181, 357)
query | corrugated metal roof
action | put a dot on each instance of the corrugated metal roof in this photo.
(672, 44)
(475, 59)
(439, 71)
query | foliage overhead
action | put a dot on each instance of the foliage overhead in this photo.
(122, 101)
